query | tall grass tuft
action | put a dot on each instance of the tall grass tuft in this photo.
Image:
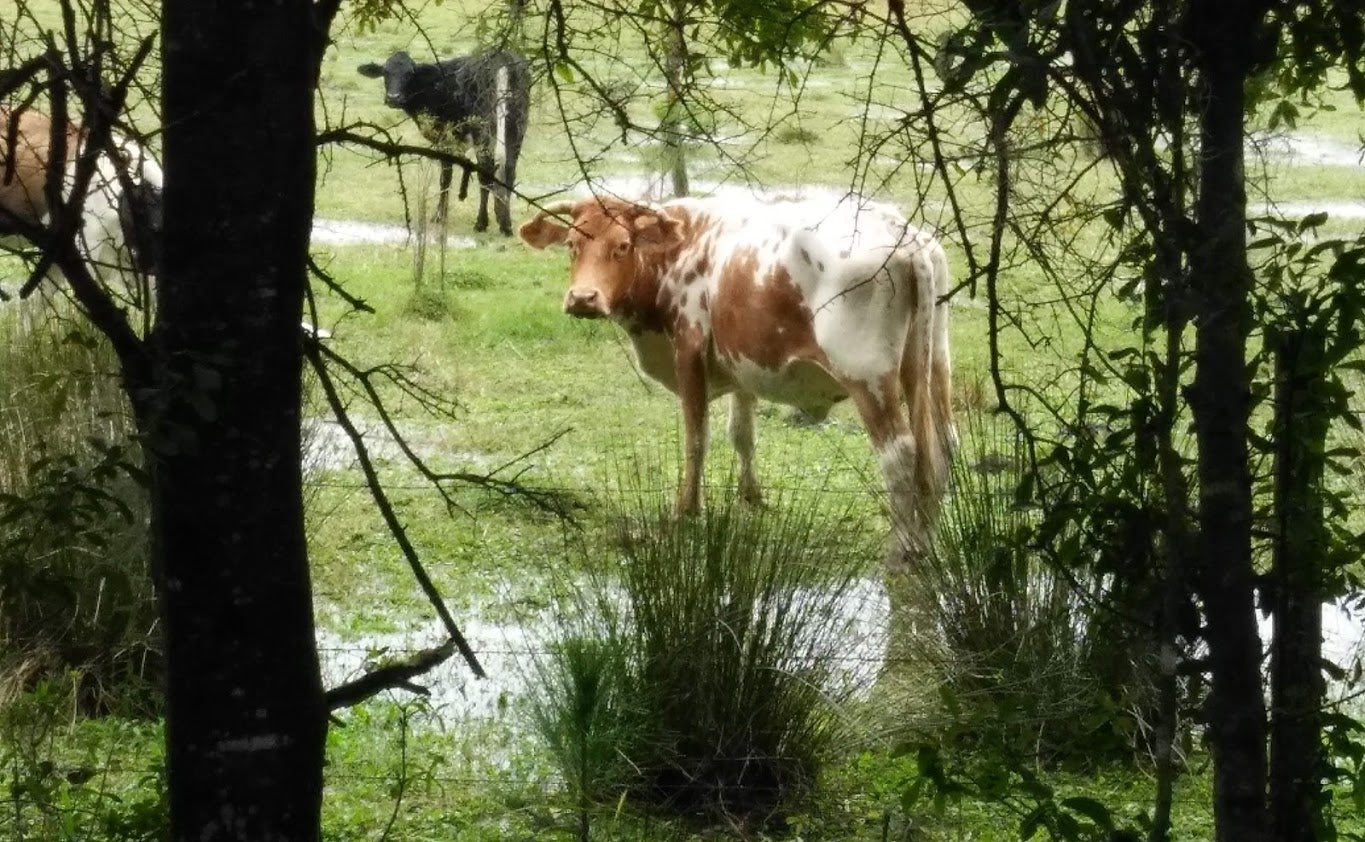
(703, 670)
(1018, 649)
(76, 603)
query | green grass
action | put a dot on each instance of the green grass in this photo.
(519, 373)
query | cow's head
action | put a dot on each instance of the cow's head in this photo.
(398, 73)
(609, 241)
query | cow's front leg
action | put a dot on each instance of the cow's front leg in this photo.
(690, 365)
(742, 437)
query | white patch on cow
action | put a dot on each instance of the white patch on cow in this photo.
(654, 356)
(897, 460)
(798, 383)
(500, 111)
(691, 310)
(101, 234)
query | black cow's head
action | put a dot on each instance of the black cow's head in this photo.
(398, 74)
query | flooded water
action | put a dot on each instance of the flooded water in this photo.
(350, 232)
(511, 651)
(1343, 639)
(1306, 150)
(1342, 209)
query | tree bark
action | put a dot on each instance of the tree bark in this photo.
(1221, 402)
(219, 405)
(1296, 682)
(679, 78)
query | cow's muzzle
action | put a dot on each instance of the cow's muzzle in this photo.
(584, 303)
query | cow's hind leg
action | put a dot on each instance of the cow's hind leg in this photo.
(485, 162)
(879, 404)
(741, 429)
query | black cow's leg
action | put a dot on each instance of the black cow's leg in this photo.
(443, 199)
(502, 204)
(485, 184)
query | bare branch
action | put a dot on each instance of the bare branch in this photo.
(313, 351)
(397, 674)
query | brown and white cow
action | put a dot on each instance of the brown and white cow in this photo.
(25, 149)
(121, 216)
(803, 303)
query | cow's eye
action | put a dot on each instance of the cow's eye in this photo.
(620, 250)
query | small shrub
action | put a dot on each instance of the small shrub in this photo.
(427, 304)
(61, 783)
(705, 675)
(76, 602)
(795, 135)
(1019, 650)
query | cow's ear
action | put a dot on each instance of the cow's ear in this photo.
(657, 231)
(543, 231)
(371, 70)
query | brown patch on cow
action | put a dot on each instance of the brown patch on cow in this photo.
(768, 323)
(705, 302)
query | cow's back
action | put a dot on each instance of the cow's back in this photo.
(798, 296)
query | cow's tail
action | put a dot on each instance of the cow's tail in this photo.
(941, 375)
(925, 377)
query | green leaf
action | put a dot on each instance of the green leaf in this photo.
(1312, 220)
(1091, 809)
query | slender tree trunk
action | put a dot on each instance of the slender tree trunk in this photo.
(1221, 401)
(678, 78)
(1175, 572)
(1296, 684)
(245, 716)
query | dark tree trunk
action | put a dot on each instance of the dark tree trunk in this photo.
(1296, 683)
(1221, 402)
(220, 406)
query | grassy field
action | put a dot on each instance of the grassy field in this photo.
(556, 403)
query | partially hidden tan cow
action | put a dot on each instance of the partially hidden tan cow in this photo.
(25, 150)
(804, 303)
(121, 212)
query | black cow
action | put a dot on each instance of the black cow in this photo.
(480, 102)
